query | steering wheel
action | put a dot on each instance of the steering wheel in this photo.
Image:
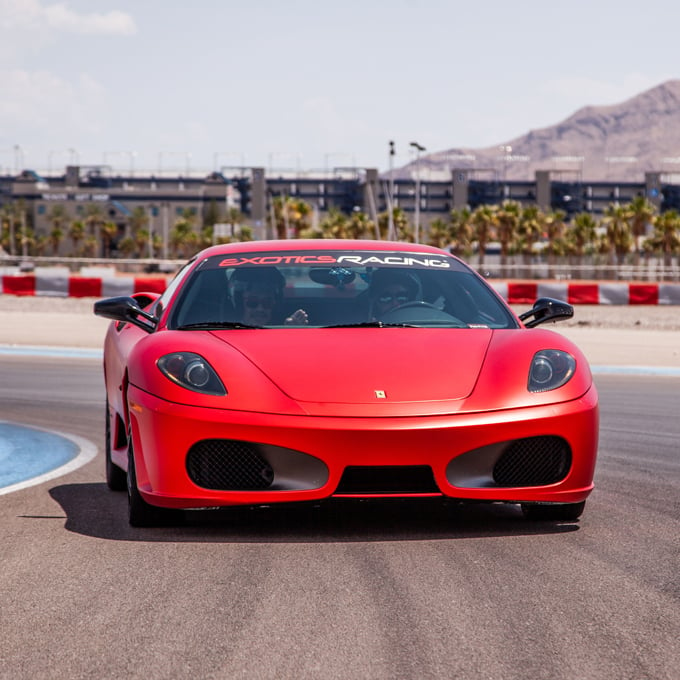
(434, 314)
(414, 303)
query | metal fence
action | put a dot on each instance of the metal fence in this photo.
(652, 270)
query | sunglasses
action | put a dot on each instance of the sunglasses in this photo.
(264, 302)
(399, 298)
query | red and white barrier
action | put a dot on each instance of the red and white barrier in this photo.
(598, 293)
(515, 292)
(80, 286)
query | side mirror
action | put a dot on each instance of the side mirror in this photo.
(547, 309)
(127, 310)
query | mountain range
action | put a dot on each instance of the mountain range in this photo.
(597, 143)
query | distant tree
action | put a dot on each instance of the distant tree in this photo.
(484, 222)
(666, 237)
(618, 232)
(507, 220)
(127, 246)
(640, 214)
(58, 216)
(461, 232)
(76, 233)
(108, 231)
(579, 235)
(529, 231)
(553, 230)
(211, 214)
(183, 239)
(94, 218)
(439, 233)
(56, 237)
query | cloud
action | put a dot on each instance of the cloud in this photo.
(36, 103)
(61, 18)
(37, 18)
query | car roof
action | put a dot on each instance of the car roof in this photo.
(319, 244)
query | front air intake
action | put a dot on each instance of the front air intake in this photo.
(366, 480)
(533, 461)
(228, 465)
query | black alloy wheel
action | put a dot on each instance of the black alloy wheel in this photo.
(116, 479)
(141, 513)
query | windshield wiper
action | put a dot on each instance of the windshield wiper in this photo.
(214, 325)
(373, 324)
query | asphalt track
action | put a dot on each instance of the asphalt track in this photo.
(368, 590)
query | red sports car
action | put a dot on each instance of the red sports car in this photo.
(286, 371)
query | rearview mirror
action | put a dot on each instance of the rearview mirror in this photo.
(338, 277)
(547, 309)
(127, 310)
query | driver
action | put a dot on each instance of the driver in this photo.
(257, 296)
(389, 289)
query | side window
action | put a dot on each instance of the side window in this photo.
(163, 300)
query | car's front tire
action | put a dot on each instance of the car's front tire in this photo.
(564, 512)
(116, 478)
(141, 513)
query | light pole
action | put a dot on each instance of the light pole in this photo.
(507, 150)
(131, 155)
(390, 198)
(418, 148)
(18, 159)
(234, 154)
(151, 210)
(187, 158)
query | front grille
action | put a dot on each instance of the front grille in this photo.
(228, 465)
(387, 479)
(533, 461)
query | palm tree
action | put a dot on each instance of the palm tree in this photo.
(108, 231)
(618, 232)
(58, 217)
(666, 236)
(290, 216)
(529, 231)
(553, 224)
(402, 226)
(579, 235)
(641, 213)
(183, 238)
(94, 218)
(359, 225)
(483, 221)
(7, 237)
(508, 219)
(76, 233)
(461, 232)
(333, 225)
(211, 214)
(127, 246)
(299, 215)
(439, 233)
(56, 237)
(233, 218)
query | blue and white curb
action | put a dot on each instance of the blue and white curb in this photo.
(31, 455)
(46, 351)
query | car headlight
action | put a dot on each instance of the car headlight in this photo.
(550, 369)
(191, 371)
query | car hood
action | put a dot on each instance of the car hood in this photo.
(379, 366)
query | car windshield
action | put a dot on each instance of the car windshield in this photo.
(339, 289)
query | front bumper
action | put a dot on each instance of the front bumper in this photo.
(164, 432)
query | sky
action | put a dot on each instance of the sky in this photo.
(161, 85)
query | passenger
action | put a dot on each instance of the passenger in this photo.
(389, 289)
(257, 296)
